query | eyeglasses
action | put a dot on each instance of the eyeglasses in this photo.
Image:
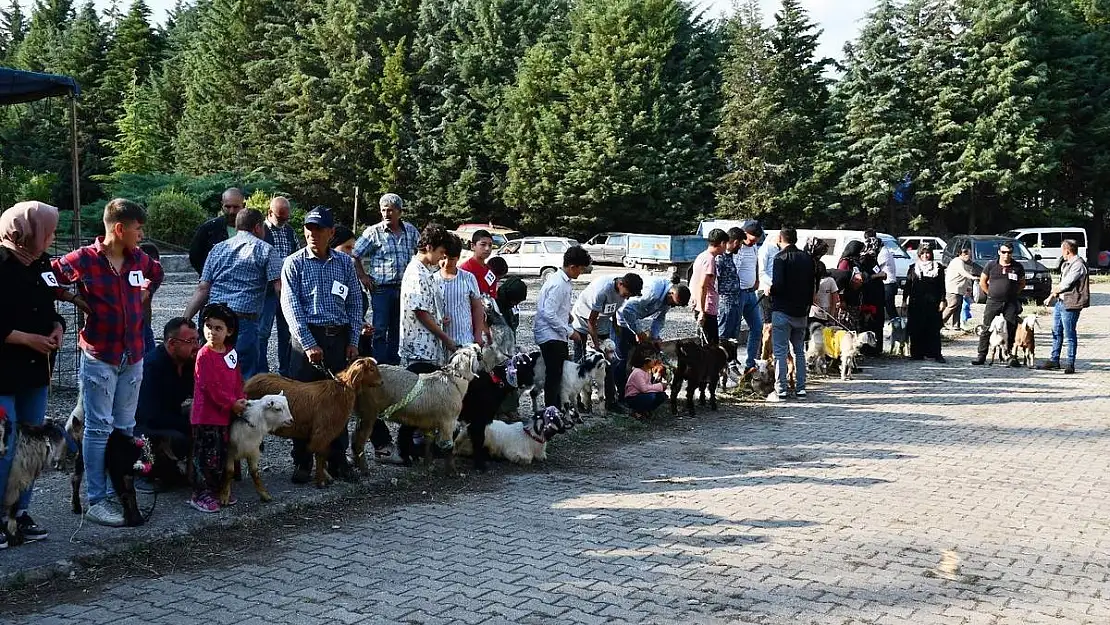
(1005, 252)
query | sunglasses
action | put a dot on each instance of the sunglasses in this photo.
(1005, 252)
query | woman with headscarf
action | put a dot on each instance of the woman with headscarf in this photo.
(850, 279)
(924, 297)
(31, 331)
(873, 295)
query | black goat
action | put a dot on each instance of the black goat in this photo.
(487, 393)
(699, 367)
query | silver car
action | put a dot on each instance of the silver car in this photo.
(535, 256)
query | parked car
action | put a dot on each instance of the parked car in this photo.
(984, 248)
(501, 234)
(608, 248)
(536, 256)
(1046, 242)
(912, 243)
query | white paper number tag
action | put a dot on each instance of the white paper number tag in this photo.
(609, 309)
(340, 289)
(232, 359)
(1013, 276)
(135, 278)
(49, 278)
(490, 278)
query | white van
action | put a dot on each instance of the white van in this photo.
(1046, 242)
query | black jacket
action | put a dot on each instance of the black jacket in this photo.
(207, 236)
(29, 308)
(793, 282)
(162, 392)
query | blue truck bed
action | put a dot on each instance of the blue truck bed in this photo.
(662, 249)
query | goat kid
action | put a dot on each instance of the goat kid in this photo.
(1025, 341)
(245, 435)
(898, 335)
(486, 394)
(578, 381)
(519, 443)
(849, 344)
(125, 459)
(998, 339)
(36, 448)
(817, 360)
(699, 367)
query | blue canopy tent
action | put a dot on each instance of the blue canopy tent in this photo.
(17, 86)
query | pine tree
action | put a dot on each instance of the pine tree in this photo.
(132, 52)
(137, 148)
(12, 30)
(43, 37)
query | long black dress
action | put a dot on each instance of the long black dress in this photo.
(924, 295)
(872, 304)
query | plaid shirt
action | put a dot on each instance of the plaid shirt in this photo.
(389, 254)
(239, 270)
(113, 332)
(309, 294)
(728, 281)
(283, 238)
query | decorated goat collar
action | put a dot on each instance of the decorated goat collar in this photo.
(532, 435)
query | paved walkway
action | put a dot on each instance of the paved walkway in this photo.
(917, 493)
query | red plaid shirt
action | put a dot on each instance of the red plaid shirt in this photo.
(114, 330)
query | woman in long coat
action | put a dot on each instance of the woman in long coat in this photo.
(924, 297)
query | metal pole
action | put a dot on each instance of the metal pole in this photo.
(354, 219)
(76, 187)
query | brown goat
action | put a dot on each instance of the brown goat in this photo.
(699, 366)
(320, 409)
(1025, 340)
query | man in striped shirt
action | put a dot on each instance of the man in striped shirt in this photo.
(389, 246)
(280, 235)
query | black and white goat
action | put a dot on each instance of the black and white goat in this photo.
(36, 447)
(487, 392)
(520, 443)
(578, 381)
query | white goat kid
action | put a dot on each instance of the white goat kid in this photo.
(850, 344)
(816, 360)
(519, 443)
(997, 343)
(578, 380)
(245, 435)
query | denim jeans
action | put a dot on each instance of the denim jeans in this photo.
(29, 408)
(1064, 322)
(728, 317)
(749, 307)
(109, 395)
(645, 402)
(789, 332)
(271, 315)
(626, 340)
(246, 345)
(386, 302)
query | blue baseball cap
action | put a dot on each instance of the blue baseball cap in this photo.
(319, 216)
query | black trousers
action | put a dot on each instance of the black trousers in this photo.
(710, 329)
(334, 345)
(1010, 311)
(379, 436)
(554, 353)
(889, 293)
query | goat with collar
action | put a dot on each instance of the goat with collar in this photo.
(519, 443)
(578, 380)
(486, 394)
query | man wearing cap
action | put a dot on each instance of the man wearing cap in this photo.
(284, 239)
(237, 272)
(594, 314)
(321, 301)
(747, 269)
(389, 245)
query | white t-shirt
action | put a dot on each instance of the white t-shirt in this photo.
(420, 290)
(825, 291)
(888, 266)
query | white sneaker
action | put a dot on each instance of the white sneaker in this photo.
(776, 397)
(103, 513)
(800, 394)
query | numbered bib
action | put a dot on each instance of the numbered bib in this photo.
(232, 359)
(49, 278)
(340, 289)
(1013, 276)
(135, 278)
(490, 278)
(609, 309)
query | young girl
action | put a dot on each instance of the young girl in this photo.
(641, 393)
(217, 395)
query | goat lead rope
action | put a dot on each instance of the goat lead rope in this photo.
(832, 318)
(406, 400)
(324, 370)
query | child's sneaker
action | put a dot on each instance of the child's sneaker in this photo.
(231, 501)
(204, 503)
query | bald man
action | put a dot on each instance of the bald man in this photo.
(217, 229)
(284, 239)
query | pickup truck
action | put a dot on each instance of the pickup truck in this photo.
(662, 252)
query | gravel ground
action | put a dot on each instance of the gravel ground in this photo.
(71, 539)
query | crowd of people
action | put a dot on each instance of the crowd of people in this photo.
(256, 272)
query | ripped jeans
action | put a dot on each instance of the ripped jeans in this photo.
(109, 396)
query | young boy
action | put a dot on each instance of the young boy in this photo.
(424, 342)
(552, 323)
(482, 245)
(116, 279)
(703, 284)
(462, 298)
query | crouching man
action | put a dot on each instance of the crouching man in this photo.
(167, 385)
(658, 297)
(593, 316)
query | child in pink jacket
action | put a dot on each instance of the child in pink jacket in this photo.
(641, 393)
(217, 396)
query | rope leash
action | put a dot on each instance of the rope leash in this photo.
(406, 400)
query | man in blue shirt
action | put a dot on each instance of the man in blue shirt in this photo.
(280, 235)
(321, 299)
(237, 273)
(388, 246)
(659, 296)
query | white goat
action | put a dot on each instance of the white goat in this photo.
(261, 417)
(998, 338)
(429, 402)
(1025, 339)
(520, 443)
(816, 360)
(850, 344)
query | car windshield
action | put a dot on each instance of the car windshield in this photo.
(988, 250)
(891, 244)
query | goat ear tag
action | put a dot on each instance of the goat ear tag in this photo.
(135, 278)
(340, 289)
(490, 278)
(49, 278)
(232, 359)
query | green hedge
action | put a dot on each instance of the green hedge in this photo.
(173, 217)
